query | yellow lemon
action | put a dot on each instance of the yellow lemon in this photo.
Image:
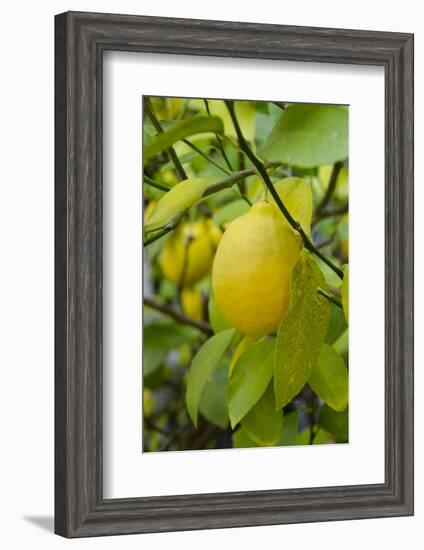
(252, 268)
(187, 255)
(168, 177)
(192, 303)
(296, 195)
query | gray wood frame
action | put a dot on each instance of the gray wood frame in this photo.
(80, 40)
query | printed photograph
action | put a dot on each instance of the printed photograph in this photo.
(245, 274)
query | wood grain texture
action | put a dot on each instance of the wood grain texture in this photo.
(81, 39)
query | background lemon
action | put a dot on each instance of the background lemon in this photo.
(252, 268)
(187, 255)
(192, 303)
(215, 234)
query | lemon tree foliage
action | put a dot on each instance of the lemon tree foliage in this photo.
(246, 114)
(345, 292)
(302, 332)
(263, 424)
(308, 136)
(202, 366)
(179, 131)
(245, 332)
(241, 439)
(159, 339)
(250, 378)
(335, 423)
(290, 432)
(329, 378)
(176, 201)
(216, 319)
(214, 403)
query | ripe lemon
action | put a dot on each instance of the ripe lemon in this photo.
(252, 268)
(187, 255)
(192, 303)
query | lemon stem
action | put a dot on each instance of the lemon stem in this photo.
(268, 183)
(234, 178)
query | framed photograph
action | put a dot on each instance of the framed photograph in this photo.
(234, 274)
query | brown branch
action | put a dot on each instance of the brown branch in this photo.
(330, 213)
(330, 189)
(179, 317)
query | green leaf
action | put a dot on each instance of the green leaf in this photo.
(320, 438)
(302, 331)
(308, 136)
(214, 403)
(216, 319)
(159, 339)
(250, 378)
(263, 423)
(337, 423)
(341, 345)
(246, 116)
(345, 291)
(329, 379)
(244, 343)
(180, 130)
(241, 440)
(155, 379)
(262, 107)
(177, 200)
(230, 211)
(289, 434)
(201, 368)
(337, 324)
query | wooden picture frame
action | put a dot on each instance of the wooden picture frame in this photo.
(81, 39)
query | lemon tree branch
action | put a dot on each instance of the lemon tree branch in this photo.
(179, 317)
(163, 230)
(210, 190)
(205, 156)
(331, 213)
(330, 189)
(155, 183)
(267, 181)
